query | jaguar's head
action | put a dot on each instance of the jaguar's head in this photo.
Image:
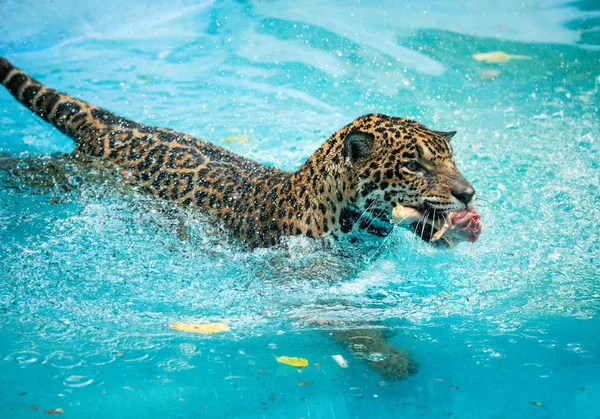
(393, 161)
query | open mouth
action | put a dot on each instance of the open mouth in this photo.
(447, 229)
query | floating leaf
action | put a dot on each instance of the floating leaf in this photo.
(205, 329)
(58, 411)
(496, 57)
(292, 361)
(238, 139)
(538, 404)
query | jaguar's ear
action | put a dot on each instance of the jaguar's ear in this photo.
(357, 146)
(446, 134)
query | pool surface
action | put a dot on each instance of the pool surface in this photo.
(92, 272)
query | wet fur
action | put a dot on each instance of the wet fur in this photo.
(362, 167)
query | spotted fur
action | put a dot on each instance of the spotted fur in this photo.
(367, 167)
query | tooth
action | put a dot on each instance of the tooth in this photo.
(405, 215)
(440, 232)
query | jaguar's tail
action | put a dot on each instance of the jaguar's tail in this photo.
(64, 112)
(96, 131)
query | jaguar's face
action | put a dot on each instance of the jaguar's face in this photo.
(397, 161)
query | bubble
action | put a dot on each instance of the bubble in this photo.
(100, 357)
(58, 330)
(189, 349)
(173, 365)
(376, 357)
(358, 347)
(60, 359)
(23, 358)
(362, 340)
(77, 381)
(133, 356)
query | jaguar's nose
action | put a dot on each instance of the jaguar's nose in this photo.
(464, 195)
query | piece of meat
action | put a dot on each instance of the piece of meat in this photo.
(460, 226)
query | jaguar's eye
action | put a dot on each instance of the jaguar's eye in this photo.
(412, 166)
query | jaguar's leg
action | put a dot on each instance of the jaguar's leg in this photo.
(370, 345)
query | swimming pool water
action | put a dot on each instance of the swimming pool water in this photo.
(93, 272)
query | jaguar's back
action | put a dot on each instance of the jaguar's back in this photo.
(171, 165)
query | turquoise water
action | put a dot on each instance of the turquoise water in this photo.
(92, 272)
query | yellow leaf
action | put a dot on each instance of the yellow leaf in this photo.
(294, 362)
(239, 139)
(205, 329)
(496, 57)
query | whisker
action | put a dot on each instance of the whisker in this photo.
(431, 233)
(384, 241)
(420, 242)
(356, 225)
(374, 217)
(423, 217)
